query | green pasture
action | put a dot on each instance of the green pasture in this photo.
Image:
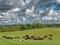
(41, 32)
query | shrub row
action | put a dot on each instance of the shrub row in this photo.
(10, 28)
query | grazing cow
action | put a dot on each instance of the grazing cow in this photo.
(23, 37)
(32, 37)
(17, 37)
(50, 38)
(4, 36)
(40, 38)
(9, 38)
(27, 37)
(45, 36)
(21, 40)
(35, 38)
(50, 35)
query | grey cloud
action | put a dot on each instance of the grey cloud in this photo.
(21, 17)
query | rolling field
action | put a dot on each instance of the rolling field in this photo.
(34, 32)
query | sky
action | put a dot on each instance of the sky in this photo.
(28, 11)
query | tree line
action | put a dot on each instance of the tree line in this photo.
(10, 28)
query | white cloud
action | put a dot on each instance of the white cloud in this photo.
(6, 21)
(1, 16)
(22, 2)
(58, 1)
(27, 1)
(11, 17)
(51, 11)
(23, 18)
(14, 10)
(28, 11)
(41, 11)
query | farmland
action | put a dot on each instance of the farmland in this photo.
(41, 32)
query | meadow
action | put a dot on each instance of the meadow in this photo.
(41, 32)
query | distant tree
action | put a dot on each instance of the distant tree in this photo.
(38, 25)
(24, 27)
(29, 26)
(34, 26)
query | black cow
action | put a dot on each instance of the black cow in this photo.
(4, 36)
(50, 38)
(17, 37)
(32, 37)
(45, 36)
(50, 35)
(27, 37)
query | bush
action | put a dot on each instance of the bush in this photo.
(10, 28)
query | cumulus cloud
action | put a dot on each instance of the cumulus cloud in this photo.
(58, 1)
(1, 16)
(27, 10)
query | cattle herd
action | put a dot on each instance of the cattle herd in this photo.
(27, 37)
(37, 38)
(6, 37)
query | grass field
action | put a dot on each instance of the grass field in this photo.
(36, 32)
